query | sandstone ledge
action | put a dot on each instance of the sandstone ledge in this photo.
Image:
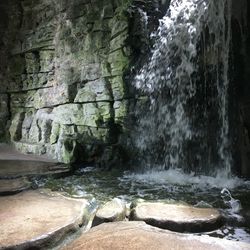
(38, 219)
(12, 186)
(18, 168)
(139, 236)
(176, 217)
(114, 210)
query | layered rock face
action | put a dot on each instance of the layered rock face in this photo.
(63, 86)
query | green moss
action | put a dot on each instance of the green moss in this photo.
(121, 111)
(118, 62)
(68, 150)
(92, 135)
(122, 7)
(54, 132)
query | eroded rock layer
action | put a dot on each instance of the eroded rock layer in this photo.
(63, 85)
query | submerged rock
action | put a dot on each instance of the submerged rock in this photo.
(114, 210)
(38, 220)
(138, 235)
(176, 217)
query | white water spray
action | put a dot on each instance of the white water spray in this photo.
(169, 130)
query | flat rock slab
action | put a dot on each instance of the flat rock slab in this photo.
(139, 236)
(17, 168)
(12, 186)
(114, 210)
(7, 152)
(37, 219)
(179, 218)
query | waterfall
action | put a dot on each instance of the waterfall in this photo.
(184, 122)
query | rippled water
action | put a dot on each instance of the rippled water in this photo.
(232, 196)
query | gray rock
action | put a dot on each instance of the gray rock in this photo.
(30, 148)
(55, 130)
(58, 94)
(16, 126)
(88, 114)
(65, 149)
(68, 114)
(118, 88)
(94, 91)
(32, 62)
(47, 58)
(66, 56)
(40, 219)
(4, 114)
(121, 111)
(12, 186)
(91, 72)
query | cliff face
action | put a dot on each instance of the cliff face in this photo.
(63, 73)
(64, 91)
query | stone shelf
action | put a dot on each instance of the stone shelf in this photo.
(138, 235)
(12, 186)
(39, 219)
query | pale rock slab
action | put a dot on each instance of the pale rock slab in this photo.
(139, 236)
(177, 217)
(39, 219)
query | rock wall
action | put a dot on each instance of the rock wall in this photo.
(62, 84)
(65, 91)
(240, 105)
(8, 27)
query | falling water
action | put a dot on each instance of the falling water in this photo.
(186, 123)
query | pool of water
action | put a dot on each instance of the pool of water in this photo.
(231, 196)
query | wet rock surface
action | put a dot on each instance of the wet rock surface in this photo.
(114, 210)
(176, 217)
(138, 235)
(12, 186)
(14, 168)
(64, 87)
(38, 219)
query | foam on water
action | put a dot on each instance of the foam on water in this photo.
(178, 177)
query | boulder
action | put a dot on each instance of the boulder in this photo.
(93, 91)
(139, 236)
(177, 217)
(38, 219)
(15, 167)
(114, 210)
